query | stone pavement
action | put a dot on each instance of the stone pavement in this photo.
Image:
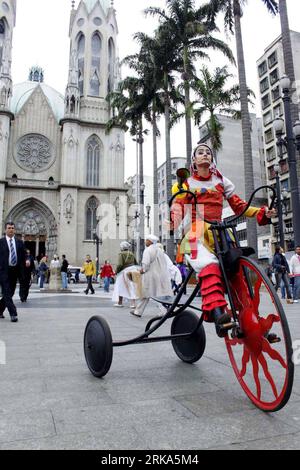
(148, 400)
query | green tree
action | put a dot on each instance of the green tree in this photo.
(192, 35)
(154, 62)
(214, 97)
(233, 12)
(128, 105)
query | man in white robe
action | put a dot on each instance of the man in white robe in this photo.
(155, 275)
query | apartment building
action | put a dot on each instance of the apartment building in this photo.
(270, 69)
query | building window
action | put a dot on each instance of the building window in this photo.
(284, 167)
(277, 111)
(111, 64)
(267, 118)
(265, 101)
(285, 185)
(95, 66)
(268, 136)
(264, 85)
(276, 94)
(271, 173)
(271, 154)
(91, 217)
(81, 51)
(262, 68)
(272, 59)
(274, 77)
(242, 235)
(93, 162)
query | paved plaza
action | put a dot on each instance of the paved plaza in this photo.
(148, 400)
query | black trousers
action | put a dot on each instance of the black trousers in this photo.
(90, 284)
(8, 285)
(25, 286)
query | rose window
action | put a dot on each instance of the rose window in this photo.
(34, 152)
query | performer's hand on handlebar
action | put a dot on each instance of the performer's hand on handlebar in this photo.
(271, 213)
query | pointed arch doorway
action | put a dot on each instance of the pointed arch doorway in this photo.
(36, 226)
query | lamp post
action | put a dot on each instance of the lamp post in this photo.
(148, 210)
(142, 220)
(97, 241)
(290, 143)
(279, 207)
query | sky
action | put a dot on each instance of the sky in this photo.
(41, 38)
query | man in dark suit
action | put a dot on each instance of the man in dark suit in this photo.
(12, 265)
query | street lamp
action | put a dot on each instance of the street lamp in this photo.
(279, 206)
(142, 217)
(290, 144)
(97, 241)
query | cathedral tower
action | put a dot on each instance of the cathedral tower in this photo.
(7, 24)
(92, 164)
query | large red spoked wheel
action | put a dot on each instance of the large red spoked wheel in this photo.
(263, 366)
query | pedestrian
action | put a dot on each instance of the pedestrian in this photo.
(124, 286)
(64, 272)
(155, 275)
(12, 265)
(107, 273)
(43, 272)
(89, 269)
(29, 270)
(295, 271)
(282, 270)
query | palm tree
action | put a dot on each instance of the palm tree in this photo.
(213, 96)
(154, 62)
(192, 35)
(232, 10)
(128, 104)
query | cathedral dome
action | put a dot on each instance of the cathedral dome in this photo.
(22, 92)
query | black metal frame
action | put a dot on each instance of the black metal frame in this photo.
(222, 246)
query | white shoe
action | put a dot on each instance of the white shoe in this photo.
(118, 305)
(135, 314)
(296, 301)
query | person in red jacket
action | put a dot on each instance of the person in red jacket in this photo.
(107, 273)
(212, 189)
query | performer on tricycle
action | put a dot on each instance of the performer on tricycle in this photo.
(211, 189)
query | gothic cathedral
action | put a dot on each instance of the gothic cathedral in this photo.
(57, 164)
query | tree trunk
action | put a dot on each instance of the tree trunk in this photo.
(289, 62)
(169, 238)
(155, 177)
(246, 124)
(187, 101)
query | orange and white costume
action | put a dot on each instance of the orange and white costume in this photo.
(198, 244)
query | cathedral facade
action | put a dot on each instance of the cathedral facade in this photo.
(58, 166)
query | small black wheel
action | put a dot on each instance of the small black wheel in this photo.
(98, 346)
(191, 349)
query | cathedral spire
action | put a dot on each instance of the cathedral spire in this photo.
(7, 23)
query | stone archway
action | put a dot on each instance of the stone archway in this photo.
(35, 223)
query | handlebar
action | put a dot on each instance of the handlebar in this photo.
(234, 219)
